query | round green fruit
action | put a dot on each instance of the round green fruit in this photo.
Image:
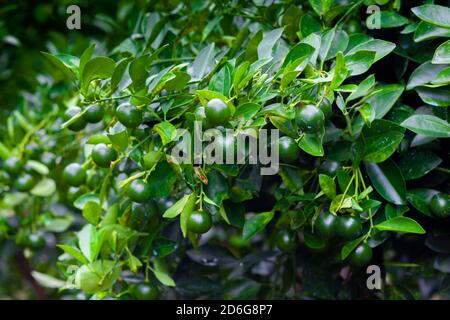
(349, 227)
(139, 191)
(13, 165)
(129, 115)
(217, 112)
(325, 107)
(309, 118)
(289, 151)
(48, 159)
(74, 174)
(102, 155)
(24, 183)
(326, 225)
(329, 167)
(145, 291)
(77, 124)
(94, 113)
(199, 222)
(440, 205)
(361, 255)
(143, 215)
(285, 240)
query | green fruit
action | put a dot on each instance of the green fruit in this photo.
(285, 240)
(24, 182)
(289, 151)
(35, 241)
(79, 123)
(102, 155)
(13, 165)
(227, 145)
(326, 225)
(349, 227)
(143, 215)
(309, 118)
(33, 150)
(73, 193)
(93, 178)
(217, 112)
(74, 174)
(48, 159)
(325, 107)
(129, 115)
(329, 167)
(139, 191)
(361, 255)
(440, 205)
(145, 291)
(199, 222)
(353, 26)
(94, 113)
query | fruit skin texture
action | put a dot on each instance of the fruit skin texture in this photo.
(440, 205)
(74, 174)
(361, 255)
(94, 113)
(145, 291)
(49, 159)
(199, 222)
(326, 225)
(349, 227)
(143, 215)
(78, 124)
(24, 182)
(13, 165)
(285, 240)
(103, 155)
(217, 112)
(288, 149)
(129, 115)
(309, 118)
(139, 191)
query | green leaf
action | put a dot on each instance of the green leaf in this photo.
(350, 246)
(443, 77)
(423, 74)
(164, 278)
(359, 62)
(420, 199)
(166, 131)
(74, 252)
(80, 202)
(267, 43)
(327, 185)
(340, 72)
(186, 211)
(44, 188)
(38, 167)
(381, 140)
(363, 88)
(4, 151)
(427, 125)
(97, 139)
(176, 208)
(96, 68)
(387, 180)
(439, 97)
(426, 31)
(98, 276)
(442, 54)
(298, 51)
(256, 224)
(380, 47)
(417, 162)
(391, 19)
(203, 63)
(59, 64)
(401, 224)
(92, 211)
(312, 143)
(384, 99)
(434, 14)
(118, 137)
(367, 113)
(308, 25)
